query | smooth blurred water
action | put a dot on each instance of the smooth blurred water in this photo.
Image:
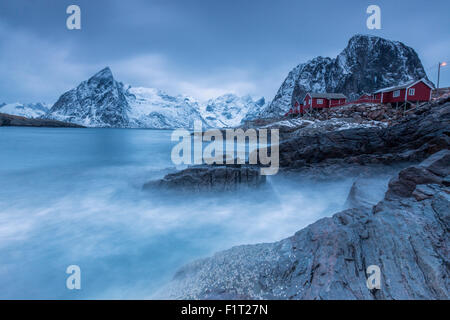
(74, 196)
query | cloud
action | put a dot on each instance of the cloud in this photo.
(154, 70)
(34, 69)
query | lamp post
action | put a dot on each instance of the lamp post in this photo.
(441, 64)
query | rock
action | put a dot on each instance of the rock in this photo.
(411, 140)
(431, 171)
(365, 192)
(7, 120)
(211, 178)
(422, 192)
(376, 115)
(446, 181)
(408, 240)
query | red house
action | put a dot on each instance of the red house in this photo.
(323, 100)
(415, 91)
(365, 98)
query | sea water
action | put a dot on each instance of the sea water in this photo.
(74, 197)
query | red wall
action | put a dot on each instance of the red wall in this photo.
(326, 102)
(422, 92)
(400, 98)
(316, 105)
(387, 97)
(337, 102)
(377, 97)
(306, 101)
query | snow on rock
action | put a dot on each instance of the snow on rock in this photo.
(152, 108)
(229, 110)
(306, 126)
(97, 102)
(28, 110)
(367, 63)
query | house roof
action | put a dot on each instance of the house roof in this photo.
(406, 85)
(327, 95)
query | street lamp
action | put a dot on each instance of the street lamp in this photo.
(441, 64)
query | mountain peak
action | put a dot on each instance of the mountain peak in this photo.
(105, 73)
(367, 63)
(360, 36)
(99, 101)
(369, 41)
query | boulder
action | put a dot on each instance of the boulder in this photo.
(365, 192)
(211, 178)
(431, 171)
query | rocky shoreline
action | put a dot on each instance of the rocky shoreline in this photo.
(412, 139)
(7, 120)
(405, 234)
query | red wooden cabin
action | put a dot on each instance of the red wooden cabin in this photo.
(415, 91)
(323, 100)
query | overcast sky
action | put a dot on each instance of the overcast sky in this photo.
(202, 48)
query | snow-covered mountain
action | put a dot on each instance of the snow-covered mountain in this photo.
(152, 108)
(97, 102)
(229, 110)
(102, 101)
(367, 63)
(29, 110)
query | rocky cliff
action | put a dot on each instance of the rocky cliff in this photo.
(422, 132)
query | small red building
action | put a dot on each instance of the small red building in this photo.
(415, 91)
(323, 100)
(364, 98)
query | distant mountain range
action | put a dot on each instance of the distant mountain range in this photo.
(367, 63)
(28, 110)
(102, 101)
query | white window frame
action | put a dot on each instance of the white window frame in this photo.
(396, 94)
(411, 91)
(319, 101)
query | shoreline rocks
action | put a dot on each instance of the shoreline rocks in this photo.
(7, 120)
(211, 178)
(413, 139)
(405, 237)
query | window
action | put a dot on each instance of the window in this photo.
(319, 101)
(412, 92)
(396, 93)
